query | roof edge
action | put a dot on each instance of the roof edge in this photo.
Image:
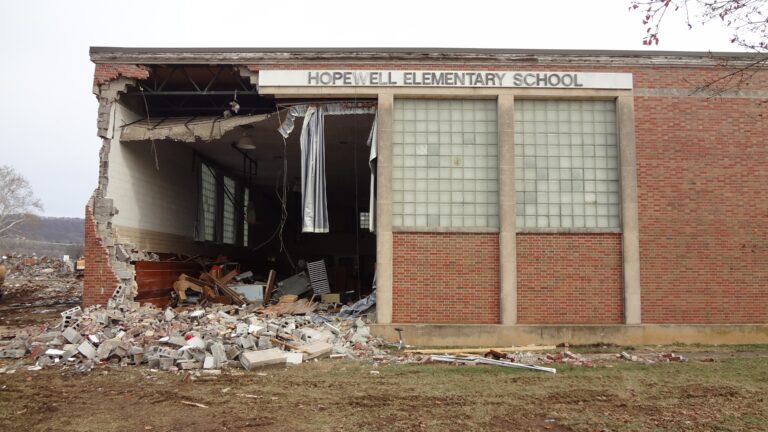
(139, 55)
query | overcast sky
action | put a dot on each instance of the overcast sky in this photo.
(48, 121)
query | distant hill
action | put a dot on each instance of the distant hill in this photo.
(54, 229)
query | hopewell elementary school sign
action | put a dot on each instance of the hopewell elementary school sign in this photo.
(406, 78)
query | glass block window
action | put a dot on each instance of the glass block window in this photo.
(566, 164)
(445, 164)
(365, 220)
(208, 196)
(228, 230)
(246, 199)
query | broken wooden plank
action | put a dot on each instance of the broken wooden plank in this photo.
(300, 307)
(285, 344)
(227, 278)
(270, 287)
(224, 289)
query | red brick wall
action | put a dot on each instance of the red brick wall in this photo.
(109, 72)
(98, 273)
(445, 278)
(703, 215)
(703, 199)
(569, 279)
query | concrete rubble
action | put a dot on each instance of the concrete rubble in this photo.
(192, 338)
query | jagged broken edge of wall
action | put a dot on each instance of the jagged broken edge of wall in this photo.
(110, 81)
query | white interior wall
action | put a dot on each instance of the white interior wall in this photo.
(148, 198)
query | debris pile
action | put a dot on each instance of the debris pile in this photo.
(20, 266)
(570, 358)
(32, 281)
(665, 357)
(217, 337)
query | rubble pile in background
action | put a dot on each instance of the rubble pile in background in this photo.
(221, 336)
(33, 281)
(24, 267)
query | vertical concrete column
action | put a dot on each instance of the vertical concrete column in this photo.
(384, 211)
(629, 218)
(507, 228)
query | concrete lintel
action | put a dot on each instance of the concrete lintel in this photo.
(629, 210)
(455, 230)
(384, 210)
(441, 92)
(569, 231)
(480, 335)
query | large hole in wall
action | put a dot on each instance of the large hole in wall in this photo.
(157, 185)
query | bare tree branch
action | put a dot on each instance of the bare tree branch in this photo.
(747, 19)
(17, 201)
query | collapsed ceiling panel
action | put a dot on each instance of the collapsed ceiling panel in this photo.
(187, 129)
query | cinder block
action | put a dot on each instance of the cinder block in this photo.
(219, 354)
(71, 335)
(209, 362)
(87, 350)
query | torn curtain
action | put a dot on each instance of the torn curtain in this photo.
(314, 203)
(314, 208)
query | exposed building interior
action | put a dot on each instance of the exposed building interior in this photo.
(209, 174)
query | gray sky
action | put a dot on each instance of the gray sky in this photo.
(48, 119)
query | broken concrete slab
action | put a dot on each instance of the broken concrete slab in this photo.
(294, 358)
(105, 349)
(316, 349)
(254, 359)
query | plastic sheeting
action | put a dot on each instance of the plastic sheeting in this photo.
(314, 204)
(314, 199)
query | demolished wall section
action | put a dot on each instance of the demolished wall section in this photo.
(106, 73)
(109, 275)
(100, 280)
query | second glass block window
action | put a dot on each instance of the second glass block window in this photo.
(566, 164)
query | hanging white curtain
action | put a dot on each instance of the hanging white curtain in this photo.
(314, 203)
(373, 144)
(315, 200)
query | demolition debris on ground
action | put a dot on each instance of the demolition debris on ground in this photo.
(200, 334)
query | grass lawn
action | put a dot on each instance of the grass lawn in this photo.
(728, 394)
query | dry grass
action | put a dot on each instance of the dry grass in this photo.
(727, 395)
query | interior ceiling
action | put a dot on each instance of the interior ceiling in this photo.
(180, 90)
(344, 134)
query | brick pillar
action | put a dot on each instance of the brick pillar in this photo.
(100, 280)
